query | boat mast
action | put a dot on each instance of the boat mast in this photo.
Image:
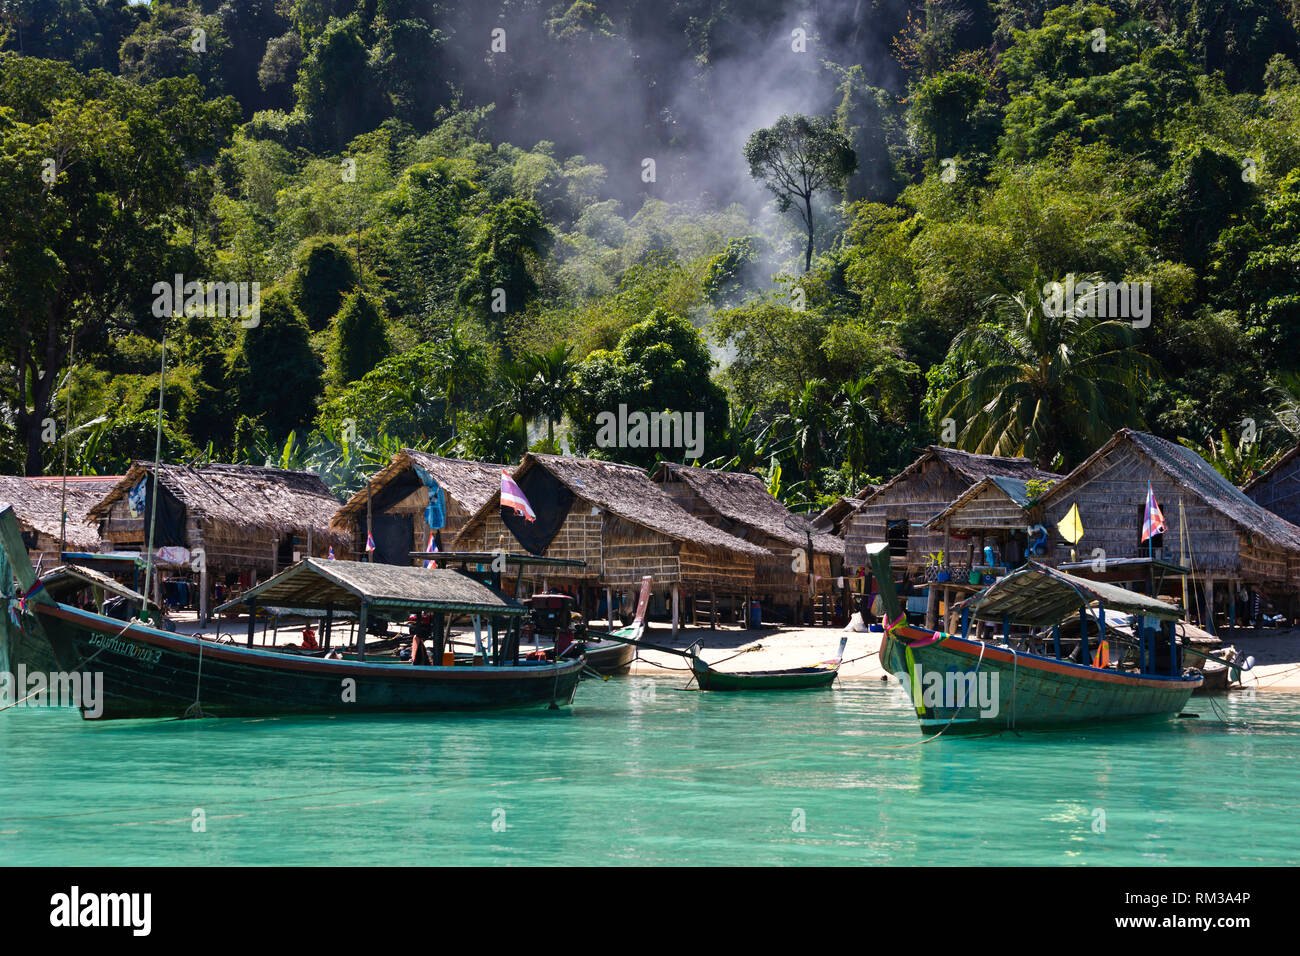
(67, 424)
(153, 499)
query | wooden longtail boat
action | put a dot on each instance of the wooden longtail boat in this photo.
(961, 684)
(794, 678)
(149, 672)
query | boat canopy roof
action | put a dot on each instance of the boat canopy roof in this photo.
(70, 577)
(1038, 595)
(321, 584)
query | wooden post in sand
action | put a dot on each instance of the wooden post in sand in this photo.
(362, 619)
(1209, 603)
(677, 608)
(609, 606)
(932, 606)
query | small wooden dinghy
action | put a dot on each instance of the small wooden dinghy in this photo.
(794, 678)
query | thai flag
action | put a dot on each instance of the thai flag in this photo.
(512, 496)
(431, 546)
(1153, 521)
(331, 552)
(370, 541)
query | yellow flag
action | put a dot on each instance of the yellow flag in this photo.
(1071, 526)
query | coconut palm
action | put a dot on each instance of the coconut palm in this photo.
(553, 381)
(1043, 385)
(806, 424)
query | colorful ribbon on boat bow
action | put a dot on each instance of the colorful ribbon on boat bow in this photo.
(18, 605)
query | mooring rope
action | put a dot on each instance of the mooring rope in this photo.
(195, 710)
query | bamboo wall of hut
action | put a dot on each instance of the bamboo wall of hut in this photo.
(1278, 488)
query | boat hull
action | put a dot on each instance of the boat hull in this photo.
(150, 673)
(801, 678)
(1019, 691)
(606, 657)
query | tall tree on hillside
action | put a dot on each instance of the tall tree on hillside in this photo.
(325, 273)
(1042, 382)
(97, 182)
(276, 373)
(797, 157)
(360, 339)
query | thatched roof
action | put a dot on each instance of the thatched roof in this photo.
(318, 584)
(968, 466)
(1038, 595)
(1199, 478)
(1015, 490)
(835, 517)
(1271, 471)
(629, 494)
(742, 498)
(38, 506)
(470, 483)
(243, 496)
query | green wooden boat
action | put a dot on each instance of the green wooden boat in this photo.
(963, 684)
(794, 678)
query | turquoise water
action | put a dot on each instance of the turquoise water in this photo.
(639, 772)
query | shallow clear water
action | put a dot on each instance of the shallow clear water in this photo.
(638, 772)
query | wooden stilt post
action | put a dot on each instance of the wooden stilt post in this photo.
(203, 591)
(713, 610)
(609, 606)
(1209, 603)
(932, 606)
(677, 608)
(362, 620)
(252, 622)
(329, 625)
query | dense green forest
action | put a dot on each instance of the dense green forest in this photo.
(476, 226)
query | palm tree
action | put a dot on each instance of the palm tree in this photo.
(1043, 385)
(519, 395)
(553, 372)
(806, 424)
(855, 420)
(495, 437)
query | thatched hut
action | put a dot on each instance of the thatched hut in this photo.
(992, 526)
(739, 504)
(1225, 536)
(38, 506)
(835, 517)
(1278, 489)
(395, 503)
(621, 524)
(244, 519)
(899, 510)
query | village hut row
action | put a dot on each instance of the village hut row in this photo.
(712, 541)
(1004, 511)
